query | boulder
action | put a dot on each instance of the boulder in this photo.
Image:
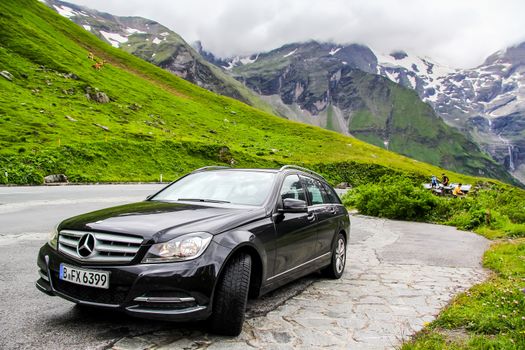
(7, 75)
(343, 185)
(55, 178)
(225, 155)
(105, 128)
(96, 95)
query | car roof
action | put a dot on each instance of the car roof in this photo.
(267, 170)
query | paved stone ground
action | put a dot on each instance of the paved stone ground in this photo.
(399, 276)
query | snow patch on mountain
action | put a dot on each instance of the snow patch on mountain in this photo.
(156, 40)
(238, 61)
(334, 51)
(232, 63)
(114, 39)
(290, 53)
(420, 66)
(131, 31)
(66, 11)
(86, 27)
(248, 60)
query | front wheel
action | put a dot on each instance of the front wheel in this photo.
(337, 266)
(231, 294)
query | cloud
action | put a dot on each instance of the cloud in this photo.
(457, 33)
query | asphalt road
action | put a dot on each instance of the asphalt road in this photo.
(383, 255)
(37, 209)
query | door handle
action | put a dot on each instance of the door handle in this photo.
(311, 217)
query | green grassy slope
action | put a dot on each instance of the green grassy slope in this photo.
(154, 123)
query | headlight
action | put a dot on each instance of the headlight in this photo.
(53, 238)
(185, 247)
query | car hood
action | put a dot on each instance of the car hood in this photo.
(161, 221)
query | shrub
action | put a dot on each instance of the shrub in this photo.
(494, 211)
(394, 198)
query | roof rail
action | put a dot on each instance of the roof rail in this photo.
(212, 167)
(284, 167)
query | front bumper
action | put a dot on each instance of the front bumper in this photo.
(177, 291)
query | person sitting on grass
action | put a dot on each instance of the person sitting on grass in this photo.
(457, 191)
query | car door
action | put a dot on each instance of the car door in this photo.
(334, 215)
(296, 232)
(326, 214)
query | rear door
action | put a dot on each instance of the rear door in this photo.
(335, 215)
(296, 232)
(325, 211)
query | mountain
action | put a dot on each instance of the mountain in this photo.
(336, 87)
(63, 112)
(159, 45)
(486, 102)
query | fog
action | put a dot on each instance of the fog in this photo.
(456, 33)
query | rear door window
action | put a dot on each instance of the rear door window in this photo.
(315, 191)
(332, 196)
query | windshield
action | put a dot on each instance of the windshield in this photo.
(237, 187)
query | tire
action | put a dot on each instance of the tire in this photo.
(337, 266)
(231, 294)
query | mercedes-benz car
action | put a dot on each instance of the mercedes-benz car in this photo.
(199, 247)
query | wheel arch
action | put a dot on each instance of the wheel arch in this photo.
(257, 267)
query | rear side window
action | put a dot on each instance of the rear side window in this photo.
(332, 196)
(292, 188)
(315, 191)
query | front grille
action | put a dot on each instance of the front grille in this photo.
(115, 295)
(108, 247)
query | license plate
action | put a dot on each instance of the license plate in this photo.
(84, 277)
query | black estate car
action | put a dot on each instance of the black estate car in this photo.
(199, 247)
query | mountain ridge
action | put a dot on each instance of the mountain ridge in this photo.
(469, 107)
(156, 44)
(358, 56)
(337, 87)
(132, 121)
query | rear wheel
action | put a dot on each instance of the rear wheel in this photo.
(337, 266)
(231, 294)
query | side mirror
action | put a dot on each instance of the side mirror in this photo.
(291, 205)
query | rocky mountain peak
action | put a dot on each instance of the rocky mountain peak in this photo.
(514, 55)
(486, 101)
(399, 55)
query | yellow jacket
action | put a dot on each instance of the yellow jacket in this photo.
(457, 191)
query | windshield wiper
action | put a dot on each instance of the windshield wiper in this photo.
(202, 200)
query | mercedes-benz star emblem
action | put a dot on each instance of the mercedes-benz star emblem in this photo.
(86, 245)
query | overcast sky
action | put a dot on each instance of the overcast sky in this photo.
(458, 33)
